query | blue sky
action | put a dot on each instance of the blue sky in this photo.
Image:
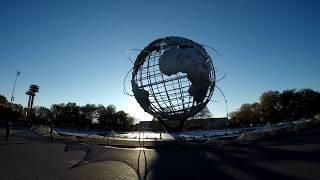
(76, 50)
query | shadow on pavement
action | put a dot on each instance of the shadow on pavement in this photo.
(287, 157)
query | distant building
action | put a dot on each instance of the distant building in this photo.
(192, 124)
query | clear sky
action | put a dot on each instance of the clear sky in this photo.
(76, 50)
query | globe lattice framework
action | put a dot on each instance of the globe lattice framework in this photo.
(173, 78)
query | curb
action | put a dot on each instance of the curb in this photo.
(245, 137)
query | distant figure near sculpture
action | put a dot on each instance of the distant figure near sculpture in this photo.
(8, 128)
(51, 131)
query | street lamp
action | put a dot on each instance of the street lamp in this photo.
(8, 123)
(14, 87)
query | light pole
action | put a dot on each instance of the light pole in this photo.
(227, 109)
(8, 123)
(14, 87)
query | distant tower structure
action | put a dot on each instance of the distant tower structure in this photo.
(33, 89)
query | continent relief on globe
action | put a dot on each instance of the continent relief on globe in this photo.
(142, 96)
(189, 60)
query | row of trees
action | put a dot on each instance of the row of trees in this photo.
(91, 116)
(88, 116)
(274, 107)
(71, 115)
(10, 111)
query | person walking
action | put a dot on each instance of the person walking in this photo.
(51, 131)
(8, 128)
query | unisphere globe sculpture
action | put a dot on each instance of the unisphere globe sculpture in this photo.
(173, 79)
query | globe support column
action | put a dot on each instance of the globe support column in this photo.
(178, 128)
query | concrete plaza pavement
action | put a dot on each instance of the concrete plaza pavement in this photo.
(29, 156)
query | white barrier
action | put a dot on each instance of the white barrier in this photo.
(270, 130)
